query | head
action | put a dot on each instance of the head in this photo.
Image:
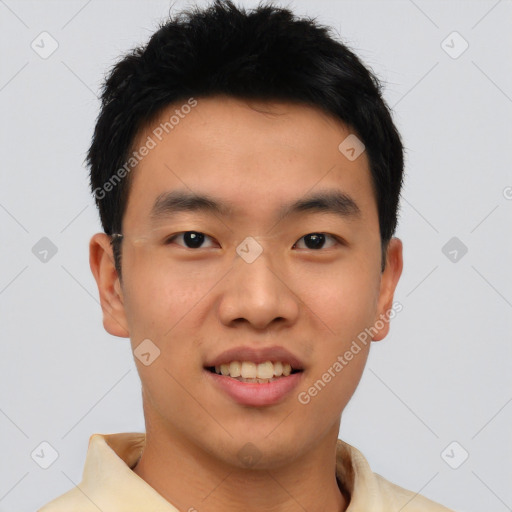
(256, 132)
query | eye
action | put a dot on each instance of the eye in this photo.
(192, 239)
(316, 241)
(195, 240)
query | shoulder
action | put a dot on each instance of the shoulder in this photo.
(71, 500)
(371, 491)
(398, 498)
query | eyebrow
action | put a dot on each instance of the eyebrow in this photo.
(329, 201)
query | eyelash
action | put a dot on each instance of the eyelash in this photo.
(336, 239)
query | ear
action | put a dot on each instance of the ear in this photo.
(388, 283)
(101, 261)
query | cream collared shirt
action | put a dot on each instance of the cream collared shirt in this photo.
(108, 483)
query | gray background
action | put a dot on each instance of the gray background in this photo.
(442, 375)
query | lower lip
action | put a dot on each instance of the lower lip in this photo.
(254, 394)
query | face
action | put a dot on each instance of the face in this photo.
(254, 272)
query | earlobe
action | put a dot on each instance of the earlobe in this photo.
(101, 261)
(389, 281)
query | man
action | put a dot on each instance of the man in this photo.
(247, 173)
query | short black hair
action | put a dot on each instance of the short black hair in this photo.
(267, 53)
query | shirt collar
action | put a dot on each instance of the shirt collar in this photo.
(110, 484)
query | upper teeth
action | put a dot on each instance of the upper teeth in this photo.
(249, 370)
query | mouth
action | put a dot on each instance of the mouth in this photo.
(253, 373)
(255, 385)
(255, 376)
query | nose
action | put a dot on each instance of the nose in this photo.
(258, 294)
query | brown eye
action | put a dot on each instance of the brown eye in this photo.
(316, 241)
(191, 239)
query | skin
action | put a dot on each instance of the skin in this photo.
(195, 305)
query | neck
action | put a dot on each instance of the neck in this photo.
(191, 479)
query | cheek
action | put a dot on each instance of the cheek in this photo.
(157, 297)
(342, 300)
(343, 303)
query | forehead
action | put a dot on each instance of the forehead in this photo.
(257, 156)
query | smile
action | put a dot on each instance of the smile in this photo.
(247, 371)
(255, 391)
